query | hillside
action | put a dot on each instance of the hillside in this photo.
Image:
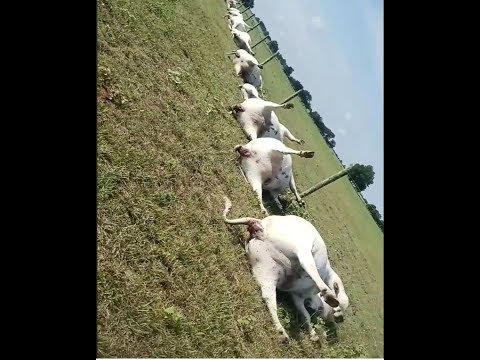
(172, 278)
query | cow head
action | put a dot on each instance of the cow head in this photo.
(243, 151)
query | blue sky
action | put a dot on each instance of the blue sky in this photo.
(336, 50)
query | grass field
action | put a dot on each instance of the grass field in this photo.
(172, 278)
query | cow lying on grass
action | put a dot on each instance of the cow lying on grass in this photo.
(276, 130)
(266, 164)
(254, 116)
(288, 253)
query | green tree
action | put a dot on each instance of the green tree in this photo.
(362, 176)
(376, 215)
(297, 85)
(248, 3)
(306, 99)
(288, 70)
(331, 142)
(273, 45)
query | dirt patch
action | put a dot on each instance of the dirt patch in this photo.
(104, 94)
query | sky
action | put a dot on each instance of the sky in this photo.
(336, 50)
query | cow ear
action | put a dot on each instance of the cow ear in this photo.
(336, 288)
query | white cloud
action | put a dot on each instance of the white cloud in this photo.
(342, 131)
(348, 115)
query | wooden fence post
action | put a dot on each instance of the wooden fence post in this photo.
(292, 96)
(270, 58)
(326, 182)
(258, 42)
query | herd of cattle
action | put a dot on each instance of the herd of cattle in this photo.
(285, 252)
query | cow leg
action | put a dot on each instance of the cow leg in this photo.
(256, 184)
(326, 313)
(293, 187)
(308, 264)
(301, 153)
(238, 69)
(289, 135)
(260, 88)
(300, 304)
(268, 286)
(250, 131)
(269, 105)
(275, 198)
(249, 49)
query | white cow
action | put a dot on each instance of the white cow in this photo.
(281, 132)
(243, 62)
(247, 67)
(242, 40)
(246, 56)
(257, 120)
(267, 165)
(236, 22)
(288, 253)
(231, 17)
(254, 115)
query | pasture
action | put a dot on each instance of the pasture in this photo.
(172, 278)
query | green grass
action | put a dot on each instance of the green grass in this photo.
(172, 278)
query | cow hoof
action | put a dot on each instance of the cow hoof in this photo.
(307, 154)
(302, 202)
(338, 317)
(314, 337)
(331, 300)
(301, 142)
(284, 338)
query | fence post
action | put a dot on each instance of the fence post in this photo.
(326, 182)
(270, 58)
(292, 96)
(258, 42)
(253, 27)
(249, 17)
